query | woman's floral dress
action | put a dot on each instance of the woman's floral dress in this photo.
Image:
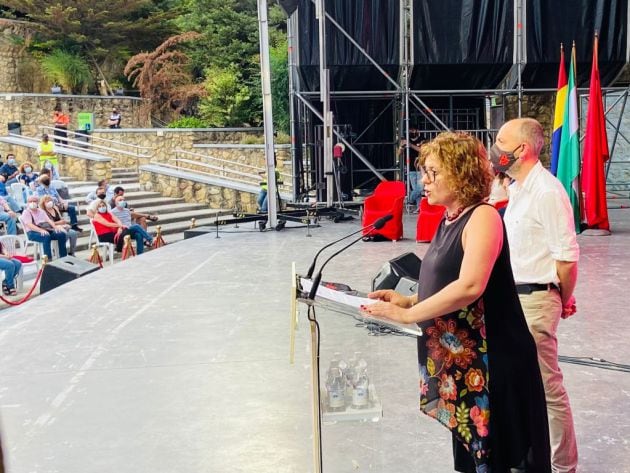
(461, 353)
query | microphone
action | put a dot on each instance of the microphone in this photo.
(376, 225)
(318, 277)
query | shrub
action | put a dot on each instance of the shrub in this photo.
(68, 70)
(188, 122)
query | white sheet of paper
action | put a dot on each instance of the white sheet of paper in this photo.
(336, 296)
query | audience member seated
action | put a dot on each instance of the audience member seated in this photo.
(8, 217)
(47, 204)
(139, 218)
(93, 204)
(107, 190)
(40, 228)
(4, 193)
(45, 188)
(111, 230)
(114, 119)
(123, 214)
(27, 175)
(10, 169)
(11, 268)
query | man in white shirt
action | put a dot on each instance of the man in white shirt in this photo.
(544, 254)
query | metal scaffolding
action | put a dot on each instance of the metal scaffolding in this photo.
(405, 103)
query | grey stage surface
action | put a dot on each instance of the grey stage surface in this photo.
(177, 361)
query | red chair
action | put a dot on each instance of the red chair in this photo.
(429, 218)
(388, 198)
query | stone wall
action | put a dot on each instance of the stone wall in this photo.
(84, 169)
(541, 107)
(35, 110)
(11, 53)
(197, 192)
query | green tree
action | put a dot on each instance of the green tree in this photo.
(68, 70)
(227, 98)
(279, 65)
(98, 31)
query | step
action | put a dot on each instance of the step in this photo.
(83, 191)
(117, 181)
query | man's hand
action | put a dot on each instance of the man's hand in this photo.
(12, 214)
(569, 308)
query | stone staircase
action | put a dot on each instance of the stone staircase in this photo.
(174, 213)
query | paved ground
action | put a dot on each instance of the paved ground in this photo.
(178, 361)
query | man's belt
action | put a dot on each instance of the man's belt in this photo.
(529, 288)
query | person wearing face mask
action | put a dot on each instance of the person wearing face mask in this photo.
(8, 217)
(103, 189)
(137, 217)
(479, 374)
(40, 228)
(27, 176)
(48, 205)
(10, 169)
(99, 195)
(544, 254)
(45, 188)
(111, 230)
(4, 193)
(123, 214)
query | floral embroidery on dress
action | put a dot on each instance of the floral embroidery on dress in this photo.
(454, 381)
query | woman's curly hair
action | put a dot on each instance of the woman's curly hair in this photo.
(465, 165)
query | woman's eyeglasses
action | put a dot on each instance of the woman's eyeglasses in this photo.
(430, 173)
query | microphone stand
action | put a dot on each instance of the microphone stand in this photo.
(318, 277)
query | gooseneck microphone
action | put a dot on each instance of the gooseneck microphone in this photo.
(376, 225)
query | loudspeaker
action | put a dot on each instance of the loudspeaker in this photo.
(406, 265)
(407, 286)
(63, 270)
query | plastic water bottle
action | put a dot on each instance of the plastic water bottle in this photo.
(360, 392)
(335, 388)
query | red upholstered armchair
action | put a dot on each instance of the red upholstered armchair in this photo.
(388, 198)
(429, 218)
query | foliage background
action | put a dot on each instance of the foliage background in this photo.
(84, 46)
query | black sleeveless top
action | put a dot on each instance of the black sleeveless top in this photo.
(479, 372)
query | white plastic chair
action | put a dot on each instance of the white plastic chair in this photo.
(20, 193)
(17, 244)
(93, 240)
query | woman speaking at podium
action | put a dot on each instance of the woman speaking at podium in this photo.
(479, 374)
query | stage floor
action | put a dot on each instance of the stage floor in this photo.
(177, 361)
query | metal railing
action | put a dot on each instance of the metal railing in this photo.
(90, 143)
(226, 165)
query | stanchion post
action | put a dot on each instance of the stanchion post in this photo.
(193, 223)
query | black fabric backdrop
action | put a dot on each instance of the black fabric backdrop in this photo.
(550, 23)
(461, 44)
(374, 24)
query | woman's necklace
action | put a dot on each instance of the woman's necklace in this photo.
(454, 215)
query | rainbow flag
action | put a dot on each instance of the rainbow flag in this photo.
(558, 118)
(569, 155)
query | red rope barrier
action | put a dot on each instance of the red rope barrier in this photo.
(25, 298)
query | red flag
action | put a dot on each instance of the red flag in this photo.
(595, 154)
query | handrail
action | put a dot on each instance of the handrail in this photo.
(242, 181)
(92, 145)
(205, 156)
(217, 168)
(98, 138)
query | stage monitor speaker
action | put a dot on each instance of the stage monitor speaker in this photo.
(407, 286)
(63, 270)
(406, 265)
